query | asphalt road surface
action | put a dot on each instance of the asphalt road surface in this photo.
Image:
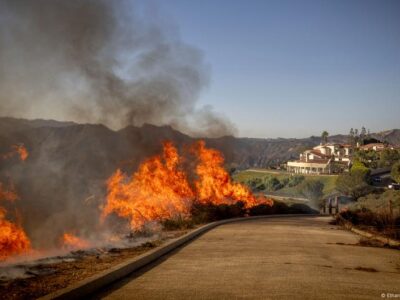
(285, 258)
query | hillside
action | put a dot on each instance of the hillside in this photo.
(69, 164)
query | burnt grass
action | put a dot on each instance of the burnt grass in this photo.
(48, 278)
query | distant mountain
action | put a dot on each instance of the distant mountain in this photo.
(69, 164)
(390, 136)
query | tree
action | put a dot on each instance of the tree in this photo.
(324, 137)
(388, 157)
(351, 137)
(356, 136)
(396, 172)
(355, 184)
(359, 168)
(313, 190)
(363, 132)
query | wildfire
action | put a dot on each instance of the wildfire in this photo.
(13, 240)
(20, 150)
(8, 194)
(160, 189)
(214, 184)
(71, 242)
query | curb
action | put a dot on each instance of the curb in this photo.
(89, 285)
(388, 241)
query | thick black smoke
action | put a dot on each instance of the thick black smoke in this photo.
(100, 61)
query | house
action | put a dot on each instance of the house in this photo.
(375, 147)
(323, 159)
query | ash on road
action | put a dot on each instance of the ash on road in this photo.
(294, 257)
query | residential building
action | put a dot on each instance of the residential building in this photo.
(323, 159)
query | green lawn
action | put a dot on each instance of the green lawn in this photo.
(329, 181)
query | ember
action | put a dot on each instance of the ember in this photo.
(72, 242)
(19, 150)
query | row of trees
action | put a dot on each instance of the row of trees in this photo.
(356, 136)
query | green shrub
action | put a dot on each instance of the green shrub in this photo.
(273, 184)
(396, 172)
(295, 180)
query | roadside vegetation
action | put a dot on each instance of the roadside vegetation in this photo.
(206, 213)
(378, 213)
(314, 187)
(376, 208)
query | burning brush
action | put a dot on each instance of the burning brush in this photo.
(161, 189)
(13, 239)
(164, 187)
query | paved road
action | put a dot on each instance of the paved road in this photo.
(287, 258)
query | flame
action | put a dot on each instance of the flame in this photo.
(214, 184)
(13, 240)
(160, 189)
(20, 150)
(8, 194)
(72, 242)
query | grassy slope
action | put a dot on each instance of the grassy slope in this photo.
(328, 181)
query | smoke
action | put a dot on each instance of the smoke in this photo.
(100, 61)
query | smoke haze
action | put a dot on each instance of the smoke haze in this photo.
(101, 62)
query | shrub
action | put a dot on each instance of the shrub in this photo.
(203, 213)
(261, 209)
(396, 172)
(273, 184)
(177, 223)
(295, 180)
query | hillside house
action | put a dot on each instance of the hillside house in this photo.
(323, 159)
(376, 147)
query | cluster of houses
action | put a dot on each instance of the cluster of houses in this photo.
(329, 158)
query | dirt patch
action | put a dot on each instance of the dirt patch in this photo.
(366, 269)
(367, 242)
(47, 278)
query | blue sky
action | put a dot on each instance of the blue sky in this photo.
(294, 68)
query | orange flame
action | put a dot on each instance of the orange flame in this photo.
(214, 184)
(17, 149)
(160, 189)
(8, 194)
(21, 150)
(72, 242)
(13, 240)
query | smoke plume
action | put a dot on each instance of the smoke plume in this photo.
(100, 61)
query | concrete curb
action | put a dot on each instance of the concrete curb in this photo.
(90, 285)
(388, 241)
